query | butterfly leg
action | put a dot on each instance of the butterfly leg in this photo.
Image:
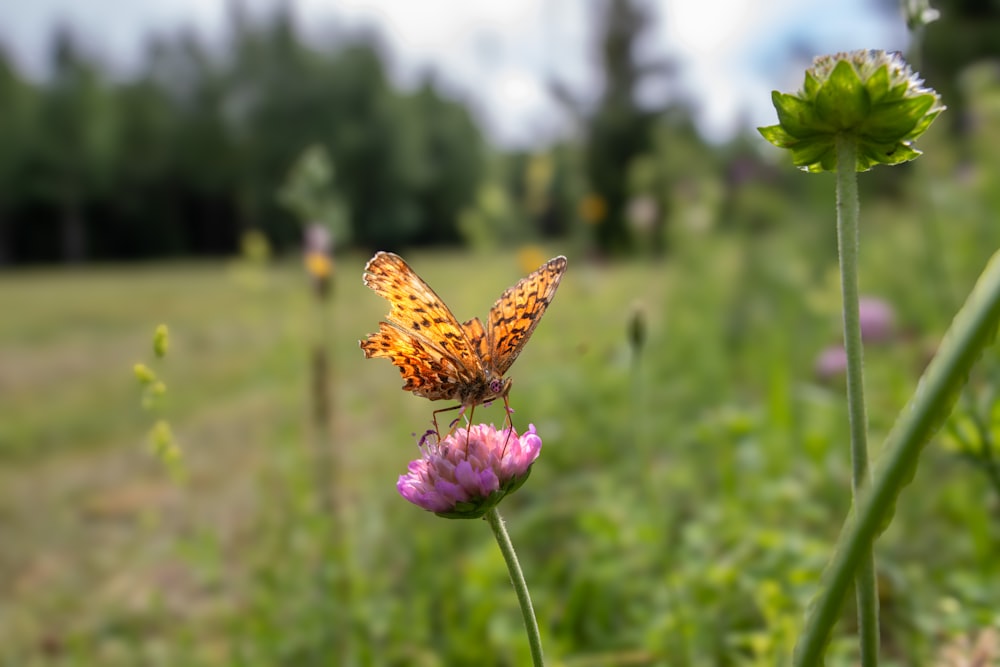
(507, 411)
(468, 430)
(434, 415)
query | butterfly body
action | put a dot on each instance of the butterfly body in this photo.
(439, 358)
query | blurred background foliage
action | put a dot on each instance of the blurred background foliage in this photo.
(184, 156)
(690, 487)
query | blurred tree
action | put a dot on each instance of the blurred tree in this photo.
(618, 129)
(190, 153)
(676, 167)
(566, 189)
(546, 187)
(308, 193)
(407, 164)
(205, 162)
(16, 128)
(491, 221)
(450, 162)
(375, 147)
(275, 101)
(966, 32)
(144, 171)
(74, 153)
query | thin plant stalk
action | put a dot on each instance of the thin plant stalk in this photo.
(323, 453)
(331, 577)
(636, 338)
(520, 586)
(856, 110)
(848, 244)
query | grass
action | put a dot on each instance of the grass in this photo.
(679, 514)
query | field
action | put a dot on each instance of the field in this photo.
(686, 500)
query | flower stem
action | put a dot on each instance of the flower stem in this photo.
(847, 240)
(520, 587)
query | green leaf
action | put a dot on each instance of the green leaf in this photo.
(810, 87)
(843, 101)
(798, 117)
(871, 154)
(889, 122)
(820, 152)
(777, 136)
(925, 123)
(878, 85)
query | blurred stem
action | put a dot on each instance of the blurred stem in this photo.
(333, 576)
(520, 586)
(848, 212)
(984, 454)
(637, 412)
(324, 455)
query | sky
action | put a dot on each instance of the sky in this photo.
(499, 56)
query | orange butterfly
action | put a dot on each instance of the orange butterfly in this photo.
(441, 359)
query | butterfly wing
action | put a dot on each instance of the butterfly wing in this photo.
(426, 371)
(478, 339)
(518, 310)
(421, 337)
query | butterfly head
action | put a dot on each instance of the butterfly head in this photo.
(489, 388)
(499, 387)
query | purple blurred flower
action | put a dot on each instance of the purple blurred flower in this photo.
(877, 319)
(470, 471)
(831, 362)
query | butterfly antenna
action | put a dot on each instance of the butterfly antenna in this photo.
(425, 439)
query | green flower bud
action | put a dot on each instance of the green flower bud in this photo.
(872, 96)
(161, 439)
(144, 374)
(160, 340)
(637, 329)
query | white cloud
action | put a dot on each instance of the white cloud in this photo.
(734, 52)
(503, 54)
(112, 30)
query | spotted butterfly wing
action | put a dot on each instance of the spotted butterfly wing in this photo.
(421, 337)
(517, 312)
(439, 358)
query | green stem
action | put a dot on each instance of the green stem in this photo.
(520, 587)
(847, 240)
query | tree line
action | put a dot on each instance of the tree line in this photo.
(192, 150)
(187, 154)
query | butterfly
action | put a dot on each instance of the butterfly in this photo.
(441, 359)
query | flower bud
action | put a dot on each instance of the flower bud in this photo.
(872, 96)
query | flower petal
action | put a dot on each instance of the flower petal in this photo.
(470, 471)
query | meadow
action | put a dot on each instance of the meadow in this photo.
(688, 494)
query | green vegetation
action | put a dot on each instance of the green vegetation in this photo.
(681, 512)
(695, 472)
